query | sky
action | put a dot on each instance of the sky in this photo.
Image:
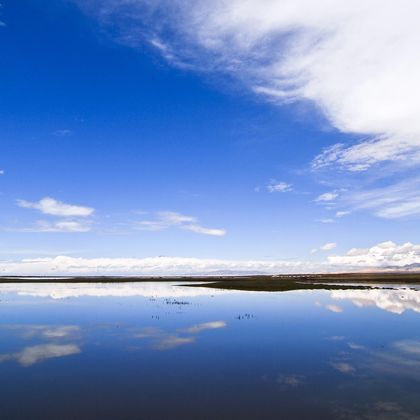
(185, 136)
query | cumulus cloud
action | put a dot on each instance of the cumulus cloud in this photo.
(168, 219)
(385, 254)
(51, 206)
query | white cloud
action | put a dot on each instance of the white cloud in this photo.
(1, 171)
(326, 220)
(328, 246)
(382, 255)
(169, 219)
(390, 202)
(340, 214)
(357, 61)
(148, 266)
(203, 230)
(328, 196)
(276, 186)
(67, 226)
(48, 205)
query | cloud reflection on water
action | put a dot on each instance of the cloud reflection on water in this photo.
(396, 301)
(164, 340)
(55, 348)
(76, 290)
(34, 354)
(43, 331)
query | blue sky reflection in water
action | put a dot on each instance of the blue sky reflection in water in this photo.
(154, 351)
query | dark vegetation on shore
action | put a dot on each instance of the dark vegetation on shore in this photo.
(252, 283)
(313, 281)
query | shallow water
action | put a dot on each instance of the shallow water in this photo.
(164, 351)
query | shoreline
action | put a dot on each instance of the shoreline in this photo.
(252, 283)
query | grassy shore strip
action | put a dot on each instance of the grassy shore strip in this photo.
(252, 283)
(313, 282)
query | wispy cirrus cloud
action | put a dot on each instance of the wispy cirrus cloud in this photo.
(357, 62)
(64, 226)
(167, 219)
(392, 201)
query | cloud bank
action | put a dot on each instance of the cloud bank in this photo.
(381, 256)
(385, 254)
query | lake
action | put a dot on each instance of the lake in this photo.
(167, 351)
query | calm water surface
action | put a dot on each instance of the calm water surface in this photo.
(164, 351)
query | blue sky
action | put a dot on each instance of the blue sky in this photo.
(133, 132)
